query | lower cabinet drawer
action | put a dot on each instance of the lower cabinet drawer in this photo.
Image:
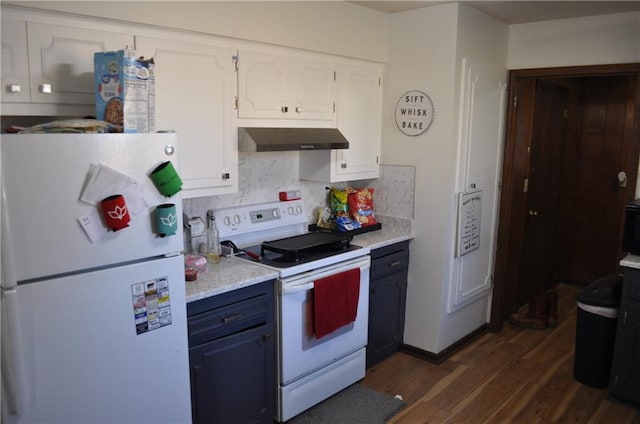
(227, 320)
(390, 264)
(227, 313)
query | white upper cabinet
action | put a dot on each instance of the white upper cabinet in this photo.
(359, 119)
(278, 86)
(61, 61)
(195, 87)
(47, 62)
(15, 63)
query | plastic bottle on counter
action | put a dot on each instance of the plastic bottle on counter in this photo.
(213, 239)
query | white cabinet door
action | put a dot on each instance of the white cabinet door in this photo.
(283, 87)
(314, 89)
(15, 62)
(263, 85)
(61, 61)
(195, 86)
(359, 119)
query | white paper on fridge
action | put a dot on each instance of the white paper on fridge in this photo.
(104, 182)
(93, 226)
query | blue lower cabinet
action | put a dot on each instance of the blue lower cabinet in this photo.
(624, 383)
(232, 357)
(387, 301)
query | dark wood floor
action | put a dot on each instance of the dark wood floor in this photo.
(515, 376)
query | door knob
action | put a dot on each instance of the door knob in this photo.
(533, 213)
(622, 179)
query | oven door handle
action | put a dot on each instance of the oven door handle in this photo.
(296, 289)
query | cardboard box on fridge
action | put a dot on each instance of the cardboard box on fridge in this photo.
(125, 90)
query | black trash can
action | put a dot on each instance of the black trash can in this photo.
(596, 324)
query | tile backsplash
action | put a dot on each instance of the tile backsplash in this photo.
(264, 174)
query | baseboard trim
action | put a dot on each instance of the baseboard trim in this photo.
(437, 358)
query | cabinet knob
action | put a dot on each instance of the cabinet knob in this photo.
(46, 88)
(14, 88)
(266, 337)
(284, 109)
(226, 176)
(299, 109)
(343, 165)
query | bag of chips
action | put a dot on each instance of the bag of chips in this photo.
(361, 206)
(338, 201)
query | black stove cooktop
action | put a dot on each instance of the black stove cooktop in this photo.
(296, 250)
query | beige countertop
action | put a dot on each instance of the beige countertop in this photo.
(233, 273)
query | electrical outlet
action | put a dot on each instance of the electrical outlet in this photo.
(198, 229)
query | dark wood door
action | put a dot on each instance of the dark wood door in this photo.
(581, 240)
(542, 188)
(600, 147)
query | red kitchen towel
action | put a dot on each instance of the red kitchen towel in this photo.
(335, 301)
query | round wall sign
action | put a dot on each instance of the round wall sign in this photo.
(414, 112)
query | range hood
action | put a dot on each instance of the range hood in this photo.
(289, 139)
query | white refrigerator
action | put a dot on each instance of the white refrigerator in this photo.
(93, 320)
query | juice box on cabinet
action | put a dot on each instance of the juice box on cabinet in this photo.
(124, 88)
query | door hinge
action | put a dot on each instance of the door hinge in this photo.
(334, 107)
(235, 102)
(379, 81)
(377, 160)
(335, 78)
(235, 62)
(515, 102)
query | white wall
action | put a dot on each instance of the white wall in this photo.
(332, 27)
(426, 47)
(422, 45)
(593, 40)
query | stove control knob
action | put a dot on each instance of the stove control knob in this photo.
(298, 210)
(290, 210)
(275, 212)
(226, 221)
(236, 219)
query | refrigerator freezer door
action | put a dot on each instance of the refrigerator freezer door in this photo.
(86, 359)
(43, 177)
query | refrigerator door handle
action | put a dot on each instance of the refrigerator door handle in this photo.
(8, 276)
(14, 385)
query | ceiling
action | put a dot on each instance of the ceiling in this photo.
(516, 11)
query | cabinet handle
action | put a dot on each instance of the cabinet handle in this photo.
(343, 165)
(46, 88)
(266, 337)
(394, 263)
(299, 109)
(231, 318)
(284, 109)
(15, 88)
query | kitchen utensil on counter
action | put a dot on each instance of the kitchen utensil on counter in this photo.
(231, 247)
